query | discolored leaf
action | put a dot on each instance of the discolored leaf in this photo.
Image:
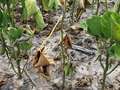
(50, 4)
(67, 41)
(62, 2)
(39, 20)
(30, 7)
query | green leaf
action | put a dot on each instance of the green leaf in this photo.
(4, 19)
(114, 51)
(106, 25)
(25, 46)
(68, 69)
(14, 33)
(94, 26)
(115, 26)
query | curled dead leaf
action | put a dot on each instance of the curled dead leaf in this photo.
(42, 62)
(66, 41)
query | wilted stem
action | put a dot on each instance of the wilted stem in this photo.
(62, 47)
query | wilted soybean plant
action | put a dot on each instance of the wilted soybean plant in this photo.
(13, 41)
(106, 30)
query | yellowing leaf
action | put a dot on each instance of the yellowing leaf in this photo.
(50, 4)
(31, 7)
(39, 20)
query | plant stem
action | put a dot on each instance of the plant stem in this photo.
(98, 5)
(101, 63)
(73, 8)
(106, 5)
(62, 47)
(113, 69)
(7, 53)
(117, 6)
(105, 71)
(19, 69)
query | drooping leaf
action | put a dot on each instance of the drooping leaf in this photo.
(45, 4)
(39, 20)
(30, 7)
(50, 4)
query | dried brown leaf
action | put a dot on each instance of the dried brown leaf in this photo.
(42, 62)
(67, 42)
(62, 2)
